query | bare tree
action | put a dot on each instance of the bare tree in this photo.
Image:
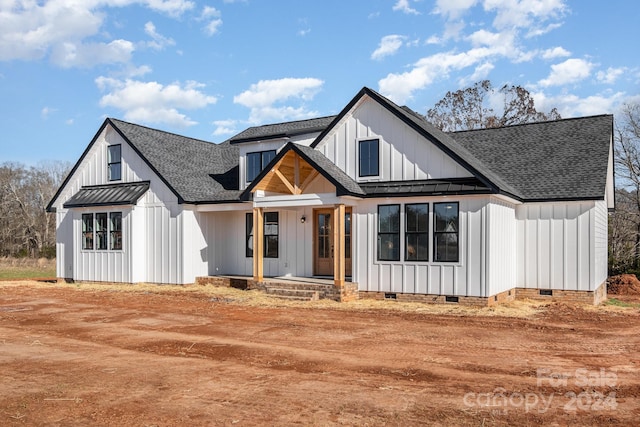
(471, 108)
(624, 230)
(25, 227)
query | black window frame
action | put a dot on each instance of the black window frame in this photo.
(115, 231)
(251, 173)
(413, 237)
(101, 231)
(248, 249)
(363, 171)
(388, 233)
(271, 239)
(87, 232)
(439, 256)
(112, 163)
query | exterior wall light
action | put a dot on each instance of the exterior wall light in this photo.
(303, 219)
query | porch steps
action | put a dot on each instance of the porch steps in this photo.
(296, 291)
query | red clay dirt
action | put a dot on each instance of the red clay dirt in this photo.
(76, 357)
(623, 284)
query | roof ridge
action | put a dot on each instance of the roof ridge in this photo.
(290, 121)
(112, 119)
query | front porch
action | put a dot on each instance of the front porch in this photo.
(292, 288)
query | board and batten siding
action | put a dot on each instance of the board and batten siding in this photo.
(467, 277)
(151, 231)
(226, 236)
(562, 245)
(501, 246)
(404, 154)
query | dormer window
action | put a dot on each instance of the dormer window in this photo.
(114, 162)
(368, 152)
(258, 161)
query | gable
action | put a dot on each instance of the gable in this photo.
(91, 170)
(404, 154)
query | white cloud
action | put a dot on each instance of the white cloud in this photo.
(152, 102)
(46, 111)
(481, 72)
(225, 127)
(453, 9)
(399, 87)
(159, 41)
(610, 75)
(570, 71)
(570, 105)
(32, 30)
(87, 55)
(556, 52)
(262, 98)
(530, 14)
(405, 7)
(388, 46)
(212, 15)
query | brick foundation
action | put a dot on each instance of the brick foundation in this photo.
(422, 298)
(558, 295)
(349, 292)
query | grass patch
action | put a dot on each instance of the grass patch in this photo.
(26, 268)
(617, 303)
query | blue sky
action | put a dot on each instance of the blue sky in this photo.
(209, 69)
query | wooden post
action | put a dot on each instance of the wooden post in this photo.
(258, 244)
(338, 245)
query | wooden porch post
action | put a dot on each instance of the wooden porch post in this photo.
(258, 244)
(338, 244)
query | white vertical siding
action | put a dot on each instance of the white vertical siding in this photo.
(226, 235)
(556, 245)
(600, 242)
(501, 247)
(102, 265)
(64, 244)
(404, 154)
(463, 278)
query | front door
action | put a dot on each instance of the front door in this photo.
(323, 242)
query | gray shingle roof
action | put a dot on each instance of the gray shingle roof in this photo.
(282, 130)
(558, 160)
(127, 193)
(196, 171)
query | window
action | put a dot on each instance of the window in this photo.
(258, 161)
(87, 231)
(416, 232)
(114, 159)
(271, 235)
(369, 157)
(115, 225)
(102, 231)
(347, 235)
(445, 234)
(389, 233)
(249, 236)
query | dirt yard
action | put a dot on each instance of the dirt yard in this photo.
(161, 356)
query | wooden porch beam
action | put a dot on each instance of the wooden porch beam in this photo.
(308, 180)
(338, 245)
(284, 180)
(258, 244)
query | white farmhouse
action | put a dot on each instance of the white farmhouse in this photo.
(375, 199)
